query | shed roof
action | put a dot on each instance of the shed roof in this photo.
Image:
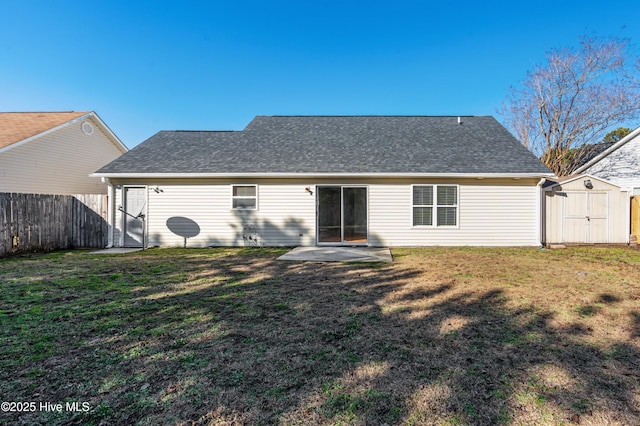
(290, 145)
(17, 126)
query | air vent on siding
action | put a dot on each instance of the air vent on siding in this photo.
(87, 128)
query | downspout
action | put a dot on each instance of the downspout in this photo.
(541, 213)
(110, 211)
(628, 215)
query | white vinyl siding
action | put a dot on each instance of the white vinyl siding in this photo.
(117, 218)
(286, 215)
(58, 163)
(492, 212)
(621, 166)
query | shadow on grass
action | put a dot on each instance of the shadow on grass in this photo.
(240, 338)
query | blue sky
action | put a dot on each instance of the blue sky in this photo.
(146, 66)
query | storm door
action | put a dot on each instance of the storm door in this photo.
(134, 211)
(342, 215)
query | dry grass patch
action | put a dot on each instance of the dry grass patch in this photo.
(232, 336)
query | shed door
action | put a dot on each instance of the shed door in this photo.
(135, 201)
(598, 219)
(586, 217)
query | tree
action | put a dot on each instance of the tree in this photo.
(616, 135)
(573, 98)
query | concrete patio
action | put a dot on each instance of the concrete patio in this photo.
(339, 254)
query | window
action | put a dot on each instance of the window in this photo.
(422, 205)
(435, 203)
(244, 197)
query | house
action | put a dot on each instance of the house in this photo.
(584, 209)
(619, 164)
(54, 152)
(329, 180)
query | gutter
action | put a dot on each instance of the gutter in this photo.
(323, 175)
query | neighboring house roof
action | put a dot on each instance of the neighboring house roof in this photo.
(335, 145)
(604, 153)
(589, 152)
(20, 127)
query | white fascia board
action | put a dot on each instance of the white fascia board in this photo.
(585, 176)
(608, 151)
(121, 146)
(325, 175)
(46, 132)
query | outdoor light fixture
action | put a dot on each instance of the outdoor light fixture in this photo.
(588, 184)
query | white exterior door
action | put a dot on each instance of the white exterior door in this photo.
(586, 217)
(134, 212)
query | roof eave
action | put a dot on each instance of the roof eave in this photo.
(115, 139)
(584, 176)
(321, 175)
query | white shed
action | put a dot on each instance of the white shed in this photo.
(584, 209)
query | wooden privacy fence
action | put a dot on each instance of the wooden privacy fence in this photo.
(37, 222)
(635, 216)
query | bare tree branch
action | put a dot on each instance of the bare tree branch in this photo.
(572, 99)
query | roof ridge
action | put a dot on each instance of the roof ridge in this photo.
(374, 115)
(44, 112)
(203, 131)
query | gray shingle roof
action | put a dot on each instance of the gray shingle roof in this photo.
(336, 144)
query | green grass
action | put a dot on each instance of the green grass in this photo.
(232, 336)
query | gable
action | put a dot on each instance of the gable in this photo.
(17, 126)
(620, 165)
(59, 159)
(336, 145)
(577, 183)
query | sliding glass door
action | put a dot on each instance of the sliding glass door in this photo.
(342, 214)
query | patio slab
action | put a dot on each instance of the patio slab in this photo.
(339, 254)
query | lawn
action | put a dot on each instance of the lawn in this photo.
(449, 336)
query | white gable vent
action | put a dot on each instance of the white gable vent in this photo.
(87, 128)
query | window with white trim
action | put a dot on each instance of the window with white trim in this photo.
(435, 205)
(244, 197)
